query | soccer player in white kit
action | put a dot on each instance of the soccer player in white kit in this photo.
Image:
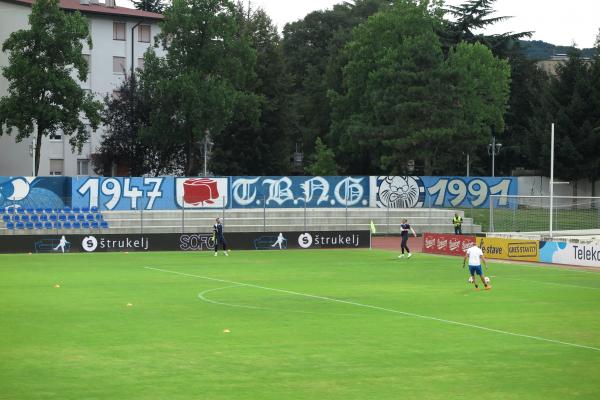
(475, 256)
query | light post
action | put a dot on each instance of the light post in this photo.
(207, 143)
(132, 46)
(32, 153)
(493, 150)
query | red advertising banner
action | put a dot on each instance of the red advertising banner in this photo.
(448, 244)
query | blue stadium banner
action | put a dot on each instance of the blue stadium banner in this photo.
(438, 192)
(34, 192)
(174, 193)
(299, 191)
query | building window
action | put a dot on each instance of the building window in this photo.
(87, 59)
(55, 137)
(118, 30)
(119, 65)
(83, 167)
(144, 33)
(56, 166)
(140, 63)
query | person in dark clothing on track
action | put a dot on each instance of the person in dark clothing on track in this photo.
(404, 229)
(219, 238)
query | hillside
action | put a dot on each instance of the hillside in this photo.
(540, 50)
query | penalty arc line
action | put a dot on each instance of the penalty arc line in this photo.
(390, 310)
(202, 296)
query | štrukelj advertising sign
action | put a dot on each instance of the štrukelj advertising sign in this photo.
(93, 243)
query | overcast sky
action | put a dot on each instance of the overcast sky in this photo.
(556, 21)
(560, 22)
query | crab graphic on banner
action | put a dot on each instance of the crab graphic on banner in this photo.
(201, 192)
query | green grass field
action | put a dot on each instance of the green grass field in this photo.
(302, 325)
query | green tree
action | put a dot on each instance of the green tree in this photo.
(124, 144)
(468, 21)
(42, 97)
(323, 161)
(156, 6)
(576, 109)
(312, 48)
(526, 141)
(269, 138)
(402, 100)
(200, 84)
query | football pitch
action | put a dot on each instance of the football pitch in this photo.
(293, 325)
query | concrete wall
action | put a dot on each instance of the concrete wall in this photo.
(16, 158)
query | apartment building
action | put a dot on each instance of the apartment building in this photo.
(120, 38)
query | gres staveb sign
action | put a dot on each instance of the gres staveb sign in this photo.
(272, 241)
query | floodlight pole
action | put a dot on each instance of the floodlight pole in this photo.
(551, 179)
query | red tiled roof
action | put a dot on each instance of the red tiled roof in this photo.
(98, 9)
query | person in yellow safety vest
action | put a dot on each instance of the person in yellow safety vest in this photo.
(457, 222)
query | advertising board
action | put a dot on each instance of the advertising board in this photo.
(510, 249)
(585, 255)
(93, 243)
(452, 245)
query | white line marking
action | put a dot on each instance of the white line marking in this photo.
(202, 296)
(549, 283)
(409, 314)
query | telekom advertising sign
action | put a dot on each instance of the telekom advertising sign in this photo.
(452, 245)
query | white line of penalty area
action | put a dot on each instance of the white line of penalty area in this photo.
(390, 310)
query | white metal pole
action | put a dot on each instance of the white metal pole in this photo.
(493, 156)
(205, 155)
(468, 162)
(33, 155)
(551, 178)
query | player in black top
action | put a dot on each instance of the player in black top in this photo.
(404, 229)
(219, 238)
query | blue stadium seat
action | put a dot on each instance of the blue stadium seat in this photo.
(35, 218)
(76, 225)
(62, 217)
(98, 217)
(67, 225)
(2, 211)
(5, 217)
(80, 217)
(25, 218)
(57, 225)
(43, 218)
(20, 225)
(29, 210)
(66, 209)
(10, 225)
(71, 217)
(48, 225)
(85, 209)
(85, 225)
(16, 218)
(20, 210)
(53, 217)
(104, 225)
(38, 225)
(48, 210)
(39, 210)
(89, 217)
(95, 225)
(10, 210)
(29, 225)
(76, 210)
(94, 209)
